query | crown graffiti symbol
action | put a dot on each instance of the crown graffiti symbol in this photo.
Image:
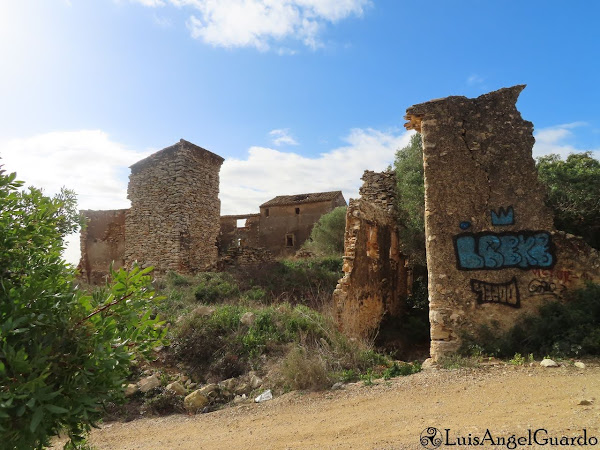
(503, 216)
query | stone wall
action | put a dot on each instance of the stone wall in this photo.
(230, 235)
(376, 280)
(173, 223)
(492, 251)
(245, 257)
(102, 243)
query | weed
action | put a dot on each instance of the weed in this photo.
(367, 377)
(458, 362)
(215, 286)
(517, 360)
(401, 370)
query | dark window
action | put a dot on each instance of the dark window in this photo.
(289, 240)
(297, 210)
(266, 212)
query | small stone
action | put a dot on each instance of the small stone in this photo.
(229, 384)
(210, 390)
(176, 387)
(429, 363)
(548, 363)
(585, 402)
(255, 381)
(248, 318)
(130, 390)
(149, 383)
(580, 365)
(337, 386)
(195, 401)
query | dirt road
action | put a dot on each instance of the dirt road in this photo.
(505, 399)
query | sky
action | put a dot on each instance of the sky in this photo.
(297, 95)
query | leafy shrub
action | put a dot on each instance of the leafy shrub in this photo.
(63, 353)
(327, 236)
(401, 370)
(573, 192)
(571, 328)
(215, 286)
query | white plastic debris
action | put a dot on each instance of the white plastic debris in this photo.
(267, 395)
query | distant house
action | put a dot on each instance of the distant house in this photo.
(283, 225)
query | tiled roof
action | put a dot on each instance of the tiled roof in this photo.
(297, 199)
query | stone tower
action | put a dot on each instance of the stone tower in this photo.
(173, 223)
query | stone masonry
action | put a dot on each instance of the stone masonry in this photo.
(376, 280)
(492, 251)
(173, 223)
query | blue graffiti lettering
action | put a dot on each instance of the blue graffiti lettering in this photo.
(492, 251)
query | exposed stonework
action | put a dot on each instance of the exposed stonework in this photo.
(376, 280)
(173, 223)
(492, 251)
(230, 235)
(245, 256)
(102, 242)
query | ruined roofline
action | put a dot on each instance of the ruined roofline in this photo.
(167, 151)
(297, 199)
(415, 113)
(240, 216)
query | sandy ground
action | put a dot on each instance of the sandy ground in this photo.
(505, 399)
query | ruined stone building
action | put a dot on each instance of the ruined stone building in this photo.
(493, 253)
(174, 222)
(283, 224)
(376, 278)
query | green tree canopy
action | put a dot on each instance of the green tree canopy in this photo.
(327, 236)
(573, 193)
(411, 199)
(63, 353)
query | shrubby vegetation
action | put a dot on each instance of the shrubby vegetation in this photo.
(574, 193)
(63, 353)
(327, 236)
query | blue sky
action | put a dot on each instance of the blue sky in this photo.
(296, 95)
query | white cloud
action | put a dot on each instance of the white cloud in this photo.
(86, 161)
(96, 167)
(282, 137)
(266, 172)
(260, 23)
(475, 79)
(555, 140)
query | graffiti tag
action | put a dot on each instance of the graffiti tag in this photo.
(564, 276)
(542, 287)
(502, 293)
(494, 251)
(503, 217)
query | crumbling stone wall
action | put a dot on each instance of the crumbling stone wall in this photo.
(173, 223)
(492, 251)
(245, 257)
(230, 235)
(376, 280)
(102, 242)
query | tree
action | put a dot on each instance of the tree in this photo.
(327, 236)
(63, 353)
(573, 193)
(411, 200)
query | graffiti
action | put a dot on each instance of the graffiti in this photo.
(465, 225)
(495, 251)
(564, 276)
(503, 217)
(542, 287)
(502, 293)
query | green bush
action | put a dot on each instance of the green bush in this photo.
(215, 286)
(573, 192)
(570, 328)
(327, 236)
(64, 354)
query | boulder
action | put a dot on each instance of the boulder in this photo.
(580, 365)
(195, 401)
(130, 390)
(176, 387)
(548, 363)
(255, 381)
(148, 383)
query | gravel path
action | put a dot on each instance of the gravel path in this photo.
(505, 399)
